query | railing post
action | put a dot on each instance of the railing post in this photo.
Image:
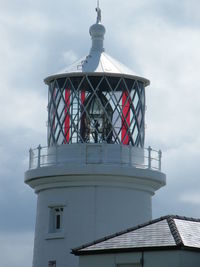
(149, 157)
(39, 155)
(159, 159)
(130, 155)
(56, 154)
(30, 158)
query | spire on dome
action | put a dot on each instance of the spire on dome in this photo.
(98, 10)
(97, 32)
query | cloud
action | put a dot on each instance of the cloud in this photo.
(157, 39)
(30, 109)
(16, 249)
(69, 57)
(190, 198)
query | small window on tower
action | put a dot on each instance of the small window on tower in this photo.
(129, 265)
(56, 218)
(52, 264)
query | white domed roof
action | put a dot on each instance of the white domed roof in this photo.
(97, 62)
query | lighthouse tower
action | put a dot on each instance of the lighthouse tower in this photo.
(94, 177)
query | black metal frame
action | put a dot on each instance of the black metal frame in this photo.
(112, 89)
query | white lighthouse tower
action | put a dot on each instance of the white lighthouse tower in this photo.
(94, 177)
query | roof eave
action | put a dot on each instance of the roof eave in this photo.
(140, 249)
(48, 79)
(125, 250)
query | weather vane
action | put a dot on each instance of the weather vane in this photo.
(98, 10)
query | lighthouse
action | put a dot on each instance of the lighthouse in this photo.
(95, 176)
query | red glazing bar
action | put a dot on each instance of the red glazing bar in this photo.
(82, 115)
(67, 113)
(82, 97)
(125, 118)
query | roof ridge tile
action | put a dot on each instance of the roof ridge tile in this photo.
(174, 231)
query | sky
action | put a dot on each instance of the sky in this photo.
(158, 39)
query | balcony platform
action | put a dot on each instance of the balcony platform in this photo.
(95, 164)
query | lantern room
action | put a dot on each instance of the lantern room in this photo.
(96, 100)
(96, 109)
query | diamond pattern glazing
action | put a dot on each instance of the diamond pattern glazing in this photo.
(96, 109)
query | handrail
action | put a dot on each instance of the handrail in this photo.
(145, 158)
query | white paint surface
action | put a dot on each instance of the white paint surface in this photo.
(98, 199)
(173, 258)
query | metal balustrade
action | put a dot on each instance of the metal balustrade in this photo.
(84, 154)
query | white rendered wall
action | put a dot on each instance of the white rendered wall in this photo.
(101, 190)
(111, 260)
(151, 259)
(89, 213)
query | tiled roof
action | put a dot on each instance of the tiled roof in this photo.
(163, 233)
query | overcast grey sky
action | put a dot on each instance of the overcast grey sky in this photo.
(158, 39)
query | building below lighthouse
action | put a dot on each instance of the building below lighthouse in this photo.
(94, 177)
(168, 241)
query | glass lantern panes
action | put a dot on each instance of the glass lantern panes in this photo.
(96, 109)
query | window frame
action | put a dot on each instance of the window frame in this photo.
(56, 228)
